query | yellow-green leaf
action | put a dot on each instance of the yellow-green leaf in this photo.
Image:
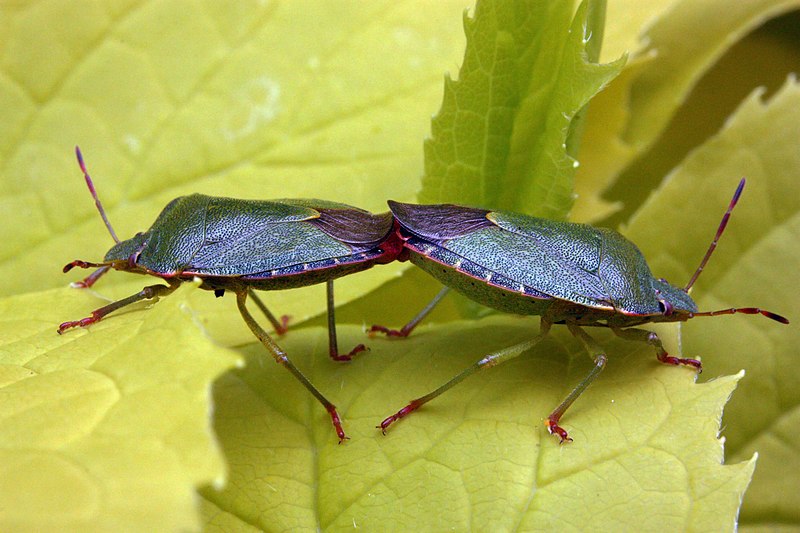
(645, 455)
(260, 100)
(105, 429)
(332, 100)
(673, 44)
(756, 264)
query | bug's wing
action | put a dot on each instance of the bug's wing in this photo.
(349, 224)
(528, 252)
(545, 255)
(585, 262)
(265, 237)
(439, 222)
(594, 267)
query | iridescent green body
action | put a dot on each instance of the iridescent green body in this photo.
(264, 245)
(532, 266)
(567, 273)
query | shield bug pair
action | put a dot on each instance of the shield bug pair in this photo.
(567, 273)
(246, 245)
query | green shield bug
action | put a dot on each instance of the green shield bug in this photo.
(567, 273)
(246, 245)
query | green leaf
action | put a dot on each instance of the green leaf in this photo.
(97, 434)
(756, 264)
(478, 457)
(500, 137)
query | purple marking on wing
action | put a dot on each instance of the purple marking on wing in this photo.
(354, 226)
(440, 221)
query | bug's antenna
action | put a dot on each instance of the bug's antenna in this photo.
(720, 229)
(745, 310)
(94, 194)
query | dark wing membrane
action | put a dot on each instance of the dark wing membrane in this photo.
(440, 221)
(353, 226)
(347, 223)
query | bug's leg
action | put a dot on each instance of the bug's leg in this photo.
(89, 280)
(281, 358)
(406, 330)
(151, 292)
(333, 345)
(488, 361)
(280, 326)
(597, 353)
(83, 264)
(651, 338)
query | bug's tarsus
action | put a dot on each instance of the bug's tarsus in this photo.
(333, 345)
(280, 325)
(90, 280)
(97, 203)
(678, 361)
(389, 332)
(723, 223)
(82, 264)
(336, 356)
(337, 422)
(412, 406)
(284, 325)
(406, 330)
(651, 338)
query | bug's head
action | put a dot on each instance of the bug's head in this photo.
(126, 251)
(674, 303)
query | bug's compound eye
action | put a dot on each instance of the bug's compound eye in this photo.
(133, 258)
(665, 307)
